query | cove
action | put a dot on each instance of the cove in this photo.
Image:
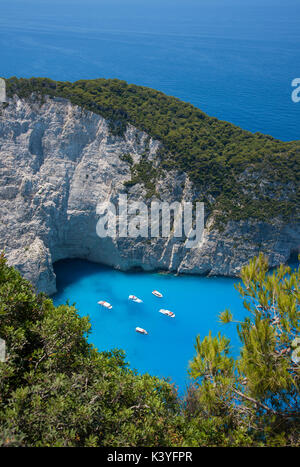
(169, 346)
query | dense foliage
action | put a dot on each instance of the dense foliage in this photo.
(57, 390)
(258, 392)
(238, 173)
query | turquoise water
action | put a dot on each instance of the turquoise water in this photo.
(169, 346)
(234, 59)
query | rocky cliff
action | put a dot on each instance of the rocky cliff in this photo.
(58, 161)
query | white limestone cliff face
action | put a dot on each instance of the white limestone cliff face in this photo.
(57, 162)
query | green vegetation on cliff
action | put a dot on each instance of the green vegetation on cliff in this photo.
(57, 390)
(238, 173)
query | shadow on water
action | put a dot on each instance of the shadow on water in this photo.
(68, 271)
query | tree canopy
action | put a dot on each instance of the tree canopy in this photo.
(257, 393)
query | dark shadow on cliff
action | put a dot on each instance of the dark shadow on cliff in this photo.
(293, 261)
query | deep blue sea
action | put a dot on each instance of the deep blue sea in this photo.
(234, 59)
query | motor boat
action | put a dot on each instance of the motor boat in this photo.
(167, 313)
(157, 294)
(105, 304)
(141, 330)
(135, 299)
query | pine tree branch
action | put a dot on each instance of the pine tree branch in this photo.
(260, 404)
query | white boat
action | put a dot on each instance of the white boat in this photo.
(157, 294)
(105, 304)
(167, 313)
(141, 330)
(135, 299)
